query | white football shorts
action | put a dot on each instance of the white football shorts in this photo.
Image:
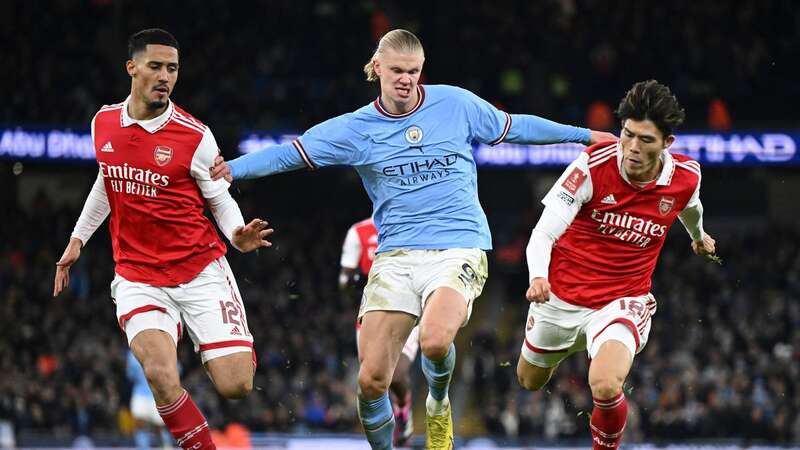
(402, 280)
(556, 329)
(209, 305)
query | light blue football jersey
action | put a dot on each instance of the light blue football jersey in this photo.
(417, 167)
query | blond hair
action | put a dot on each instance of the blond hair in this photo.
(401, 41)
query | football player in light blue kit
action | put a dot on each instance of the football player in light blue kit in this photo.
(412, 148)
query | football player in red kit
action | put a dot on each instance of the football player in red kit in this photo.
(170, 267)
(592, 254)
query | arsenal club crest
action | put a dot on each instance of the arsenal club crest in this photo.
(162, 155)
(665, 205)
(529, 327)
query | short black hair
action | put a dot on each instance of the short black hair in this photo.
(151, 36)
(650, 100)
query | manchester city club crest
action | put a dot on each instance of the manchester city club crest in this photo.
(163, 155)
(666, 204)
(414, 134)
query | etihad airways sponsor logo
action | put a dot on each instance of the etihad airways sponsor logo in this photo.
(421, 170)
(132, 180)
(420, 165)
(627, 227)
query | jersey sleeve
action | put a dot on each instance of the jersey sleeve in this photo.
(540, 246)
(695, 198)
(95, 210)
(202, 161)
(351, 249)
(330, 143)
(488, 125)
(571, 191)
(530, 129)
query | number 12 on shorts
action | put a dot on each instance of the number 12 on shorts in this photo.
(230, 311)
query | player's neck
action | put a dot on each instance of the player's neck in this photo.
(139, 110)
(397, 107)
(648, 176)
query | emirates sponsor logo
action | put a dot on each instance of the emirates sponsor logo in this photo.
(627, 227)
(133, 180)
(127, 172)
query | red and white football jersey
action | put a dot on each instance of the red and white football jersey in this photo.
(156, 178)
(360, 245)
(617, 229)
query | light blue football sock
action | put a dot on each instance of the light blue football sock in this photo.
(438, 373)
(142, 439)
(377, 418)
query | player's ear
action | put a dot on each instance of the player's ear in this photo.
(376, 65)
(669, 140)
(130, 67)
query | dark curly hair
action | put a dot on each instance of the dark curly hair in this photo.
(151, 36)
(650, 100)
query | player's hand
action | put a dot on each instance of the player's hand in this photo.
(705, 246)
(252, 236)
(601, 136)
(539, 291)
(220, 169)
(71, 254)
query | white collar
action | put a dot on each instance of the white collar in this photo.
(151, 125)
(667, 168)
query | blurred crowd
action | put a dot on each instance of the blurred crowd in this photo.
(723, 354)
(63, 360)
(291, 64)
(722, 359)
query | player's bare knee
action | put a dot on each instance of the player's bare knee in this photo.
(435, 346)
(531, 381)
(236, 389)
(371, 383)
(605, 386)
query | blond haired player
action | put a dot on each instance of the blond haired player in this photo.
(412, 148)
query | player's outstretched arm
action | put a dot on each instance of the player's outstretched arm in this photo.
(601, 136)
(530, 129)
(252, 236)
(220, 169)
(492, 126)
(271, 160)
(70, 256)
